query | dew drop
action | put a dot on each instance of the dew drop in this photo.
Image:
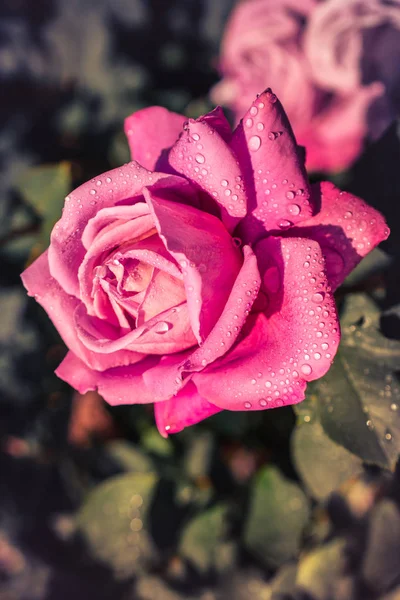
(254, 142)
(306, 369)
(93, 192)
(260, 126)
(263, 402)
(253, 111)
(268, 384)
(196, 137)
(247, 405)
(318, 297)
(284, 224)
(199, 158)
(162, 327)
(224, 182)
(249, 123)
(290, 195)
(294, 209)
(317, 356)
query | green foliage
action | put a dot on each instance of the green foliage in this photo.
(277, 516)
(359, 398)
(322, 464)
(203, 541)
(114, 522)
(44, 188)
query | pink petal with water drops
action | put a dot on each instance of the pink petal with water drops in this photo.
(206, 253)
(203, 156)
(166, 333)
(185, 409)
(273, 169)
(61, 308)
(229, 325)
(111, 384)
(66, 250)
(150, 131)
(293, 342)
(345, 227)
(218, 121)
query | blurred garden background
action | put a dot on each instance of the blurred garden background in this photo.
(278, 505)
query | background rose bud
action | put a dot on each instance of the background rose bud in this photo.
(333, 63)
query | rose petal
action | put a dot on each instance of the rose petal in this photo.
(274, 172)
(108, 218)
(122, 232)
(162, 293)
(61, 308)
(335, 137)
(205, 251)
(111, 384)
(226, 330)
(66, 250)
(203, 156)
(293, 342)
(150, 131)
(185, 409)
(168, 332)
(345, 227)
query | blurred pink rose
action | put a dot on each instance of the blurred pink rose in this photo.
(334, 64)
(200, 276)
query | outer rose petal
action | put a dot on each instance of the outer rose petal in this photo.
(346, 228)
(294, 342)
(111, 384)
(185, 409)
(66, 250)
(274, 172)
(61, 308)
(150, 131)
(204, 249)
(203, 156)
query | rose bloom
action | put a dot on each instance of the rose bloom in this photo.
(334, 65)
(200, 276)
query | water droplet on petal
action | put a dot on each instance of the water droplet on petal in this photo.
(162, 327)
(224, 182)
(263, 402)
(249, 123)
(199, 158)
(306, 369)
(253, 111)
(196, 137)
(247, 405)
(284, 224)
(290, 195)
(254, 142)
(294, 209)
(318, 297)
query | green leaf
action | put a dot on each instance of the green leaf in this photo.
(321, 572)
(277, 515)
(203, 540)
(45, 188)
(152, 441)
(322, 464)
(129, 457)
(359, 398)
(114, 523)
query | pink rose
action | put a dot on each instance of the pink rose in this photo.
(334, 64)
(200, 276)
